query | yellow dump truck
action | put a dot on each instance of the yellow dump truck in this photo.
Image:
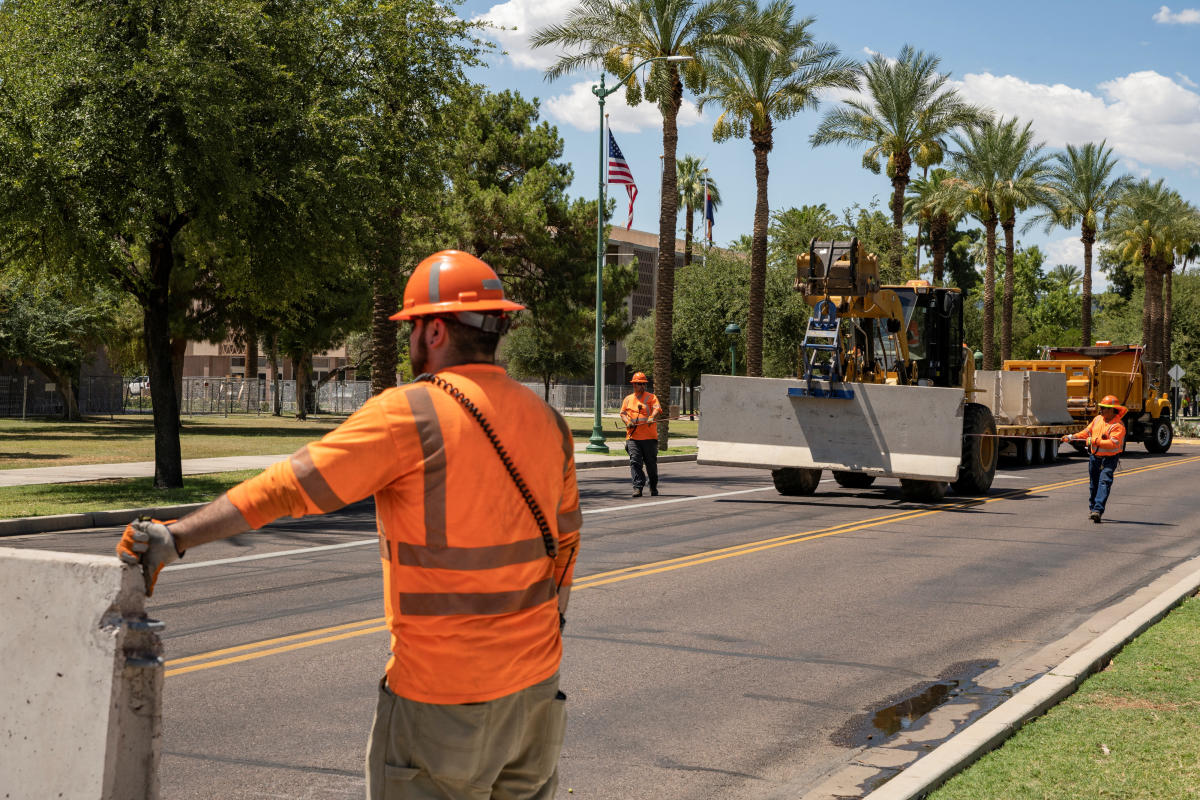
(1103, 369)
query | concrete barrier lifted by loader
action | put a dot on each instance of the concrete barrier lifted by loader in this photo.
(884, 389)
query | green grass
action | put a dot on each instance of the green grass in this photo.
(73, 498)
(53, 443)
(1130, 732)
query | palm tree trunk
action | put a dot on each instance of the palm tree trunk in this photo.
(1088, 237)
(1148, 340)
(899, 185)
(1009, 288)
(687, 235)
(758, 252)
(384, 353)
(989, 294)
(668, 212)
(1168, 280)
(939, 229)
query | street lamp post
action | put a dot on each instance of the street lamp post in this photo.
(733, 330)
(596, 442)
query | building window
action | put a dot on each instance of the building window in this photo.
(237, 361)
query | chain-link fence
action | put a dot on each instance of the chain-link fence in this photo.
(25, 396)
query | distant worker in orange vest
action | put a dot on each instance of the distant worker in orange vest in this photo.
(640, 412)
(1105, 437)
(478, 518)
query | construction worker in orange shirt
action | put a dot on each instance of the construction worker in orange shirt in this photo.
(478, 518)
(640, 412)
(1105, 438)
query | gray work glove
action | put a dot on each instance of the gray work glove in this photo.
(150, 544)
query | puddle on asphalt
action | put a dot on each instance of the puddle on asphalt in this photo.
(908, 707)
(902, 715)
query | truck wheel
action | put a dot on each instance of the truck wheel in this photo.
(795, 481)
(1024, 451)
(920, 491)
(1052, 450)
(1158, 440)
(979, 451)
(853, 480)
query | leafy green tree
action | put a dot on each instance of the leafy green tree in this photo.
(692, 186)
(792, 229)
(48, 323)
(756, 87)
(1082, 191)
(225, 138)
(616, 35)
(549, 348)
(903, 115)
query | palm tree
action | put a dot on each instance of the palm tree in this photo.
(1067, 276)
(1022, 169)
(691, 182)
(931, 207)
(616, 35)
(1183, 238)
(976, 187)
(1082, 192)
(1139, 228)
(903, 115)
(756, 87)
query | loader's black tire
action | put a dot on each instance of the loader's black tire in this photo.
(920, 491)
(1160, 436)
(979, 452)
(853, 480)
(795, 481)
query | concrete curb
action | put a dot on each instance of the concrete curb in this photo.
(991, 730)
(20, 526)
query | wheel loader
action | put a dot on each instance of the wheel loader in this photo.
(882, 389)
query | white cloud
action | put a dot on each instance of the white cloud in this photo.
(579, 109)
(1187, 16)
(1144, 116)
(1187, 81)
(525, 16)
(1070, 251)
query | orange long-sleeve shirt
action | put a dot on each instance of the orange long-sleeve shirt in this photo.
(1108, 438)
(469, 590)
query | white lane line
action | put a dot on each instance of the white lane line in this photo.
(373, 540)
(280, 554)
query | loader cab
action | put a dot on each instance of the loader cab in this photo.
(933, 327)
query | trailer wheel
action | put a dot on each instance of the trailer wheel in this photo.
(853, 480)
(795, 481)
(1024, 451)
(1158, 440)
(920, 491)
(979, 451)
(1052, 450)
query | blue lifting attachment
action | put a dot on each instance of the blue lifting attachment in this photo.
(821, 354)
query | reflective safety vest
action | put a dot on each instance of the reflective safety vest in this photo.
(1107, 438)
(469, 590)
(638, 411)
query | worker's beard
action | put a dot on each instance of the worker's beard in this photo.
(418, 356)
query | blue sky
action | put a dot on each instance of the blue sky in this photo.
(1122, 70)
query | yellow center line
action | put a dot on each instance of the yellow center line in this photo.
(252, 651)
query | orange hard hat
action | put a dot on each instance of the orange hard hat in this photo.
(450, 282)
(1109, 401)
(638, 377)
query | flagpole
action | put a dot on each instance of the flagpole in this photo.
(596, 442)
(603, 348)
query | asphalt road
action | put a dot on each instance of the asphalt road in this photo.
(723, 642)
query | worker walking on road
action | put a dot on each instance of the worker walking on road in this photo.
(640, 412)
(1105, 437)
(478, 516)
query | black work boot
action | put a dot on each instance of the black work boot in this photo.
(654, 491)
(1095, 515)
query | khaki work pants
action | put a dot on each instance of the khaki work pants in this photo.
(504, 749)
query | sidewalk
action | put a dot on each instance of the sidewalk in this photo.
(202, 466)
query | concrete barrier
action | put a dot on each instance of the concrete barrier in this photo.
(81, 714)
(1024, 397)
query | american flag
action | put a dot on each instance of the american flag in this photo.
(708, 213)
(618, 172)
